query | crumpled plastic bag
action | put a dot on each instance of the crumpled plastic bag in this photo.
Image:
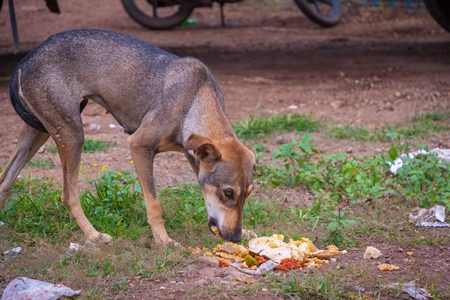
(433, 217)
(410, 289)
(262, 269)
(24, 288)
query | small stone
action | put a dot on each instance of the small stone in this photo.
(162, 288)
(337, 104)
(397, 94)
(359, 288)
(280, 140)
(201, 282)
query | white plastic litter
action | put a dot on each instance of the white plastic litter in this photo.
(24, 288)
(94, 127)
(73, 248)
(410, 289)
(14, 251)
(433, 217)
(442, 154)
(262, 269)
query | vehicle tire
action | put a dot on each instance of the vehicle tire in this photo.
(440, 11)
(145, 15)
(326, 13)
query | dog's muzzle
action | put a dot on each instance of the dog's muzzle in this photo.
(234, 236)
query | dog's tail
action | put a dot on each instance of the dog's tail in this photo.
(20, 105)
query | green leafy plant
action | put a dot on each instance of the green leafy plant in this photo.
(426, 179)
(115, 205)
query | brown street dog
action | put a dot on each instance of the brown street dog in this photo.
(164, 102)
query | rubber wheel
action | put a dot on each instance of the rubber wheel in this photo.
(440, 11)
(147, 19)
(326, 13)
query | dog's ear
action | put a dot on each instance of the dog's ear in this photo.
(204, 150)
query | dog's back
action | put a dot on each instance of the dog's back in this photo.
(107, 67)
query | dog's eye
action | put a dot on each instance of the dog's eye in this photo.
(229, 193)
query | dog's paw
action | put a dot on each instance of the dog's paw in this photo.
(103, 238)
(172, 243)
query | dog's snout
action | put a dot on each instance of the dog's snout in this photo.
(236, 237)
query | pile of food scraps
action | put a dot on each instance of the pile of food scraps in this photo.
(283, 256)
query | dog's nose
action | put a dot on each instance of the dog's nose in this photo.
(236, 237)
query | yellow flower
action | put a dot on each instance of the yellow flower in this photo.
(104, 167)
(95, 165)
(118, 174)
(131, 161)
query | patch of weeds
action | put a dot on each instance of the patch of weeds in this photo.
(90, 145)
(347, 132)
(426, 179)
(421, 127)
(41, 163)
(256, 127)
(184, 208)
(295, 285)
(339, 181)
(115, 205)
(431, 116)
(35, 210)
(94, 145)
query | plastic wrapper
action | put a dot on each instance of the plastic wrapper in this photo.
(24, 288)
(433, 217)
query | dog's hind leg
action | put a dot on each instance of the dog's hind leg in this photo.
(70, 140)
(30, 140)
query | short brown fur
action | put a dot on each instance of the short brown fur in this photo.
(164, 102)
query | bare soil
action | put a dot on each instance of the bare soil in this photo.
(377, 67)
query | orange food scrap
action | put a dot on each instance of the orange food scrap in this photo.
(388, 267)
(248, 281)
(223, 263)
(260, 259)
(287, 264)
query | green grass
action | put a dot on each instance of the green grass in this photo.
(423, 125)
(41, 163)
(350, 201)
(256, 127)
(90, 145)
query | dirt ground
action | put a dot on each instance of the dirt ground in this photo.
(377, 67)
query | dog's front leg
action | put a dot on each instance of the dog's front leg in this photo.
(143, 156)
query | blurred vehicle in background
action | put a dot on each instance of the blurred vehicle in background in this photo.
(166, 14)
(440, 11)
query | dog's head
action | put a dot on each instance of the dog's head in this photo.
(226, 179)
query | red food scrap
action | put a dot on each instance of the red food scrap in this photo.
(260, 259)
(287, 264)
(223, 263)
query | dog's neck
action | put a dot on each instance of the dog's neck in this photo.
(207, 118)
